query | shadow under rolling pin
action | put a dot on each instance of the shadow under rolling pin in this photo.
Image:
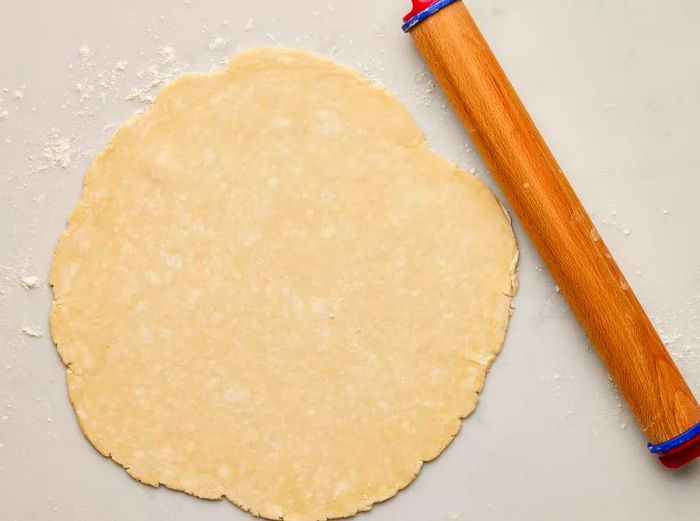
(537, 189)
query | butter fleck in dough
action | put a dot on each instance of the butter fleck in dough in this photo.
(272, 291)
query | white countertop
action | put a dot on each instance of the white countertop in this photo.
(614, 87)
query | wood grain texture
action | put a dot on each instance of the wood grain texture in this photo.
(556, 221)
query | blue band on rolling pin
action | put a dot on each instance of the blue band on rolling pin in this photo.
(425, 14)
(675, 442)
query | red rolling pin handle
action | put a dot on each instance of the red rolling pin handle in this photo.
(559, 226)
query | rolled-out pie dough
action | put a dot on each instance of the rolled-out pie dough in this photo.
(273, 291)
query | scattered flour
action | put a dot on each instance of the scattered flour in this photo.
(679, 328)
(423, 87)
(217, 44)
(85, 52)
(58, 150)
(32, 332)
(3, 114)
(168, 53)
(84, 90)
(31, 282)
(18, 94)
(380, 30)
(166, 68)
(95, 85)
(369, 66)
(273, 37)
(55, 151)
(248, 25)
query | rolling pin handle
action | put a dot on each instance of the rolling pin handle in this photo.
(680, 450)
(422, 9)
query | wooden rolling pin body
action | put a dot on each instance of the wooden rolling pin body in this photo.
(562, 231)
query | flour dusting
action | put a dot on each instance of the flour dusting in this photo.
(217, 44)
(84, 90)
(31, 282)
(33, 332)
(84, 52)
(58, 150)
(165, 69)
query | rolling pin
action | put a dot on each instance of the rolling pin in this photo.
(539, 193)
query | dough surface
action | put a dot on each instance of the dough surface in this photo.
(272, 291)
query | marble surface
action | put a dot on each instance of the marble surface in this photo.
(614, 86)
